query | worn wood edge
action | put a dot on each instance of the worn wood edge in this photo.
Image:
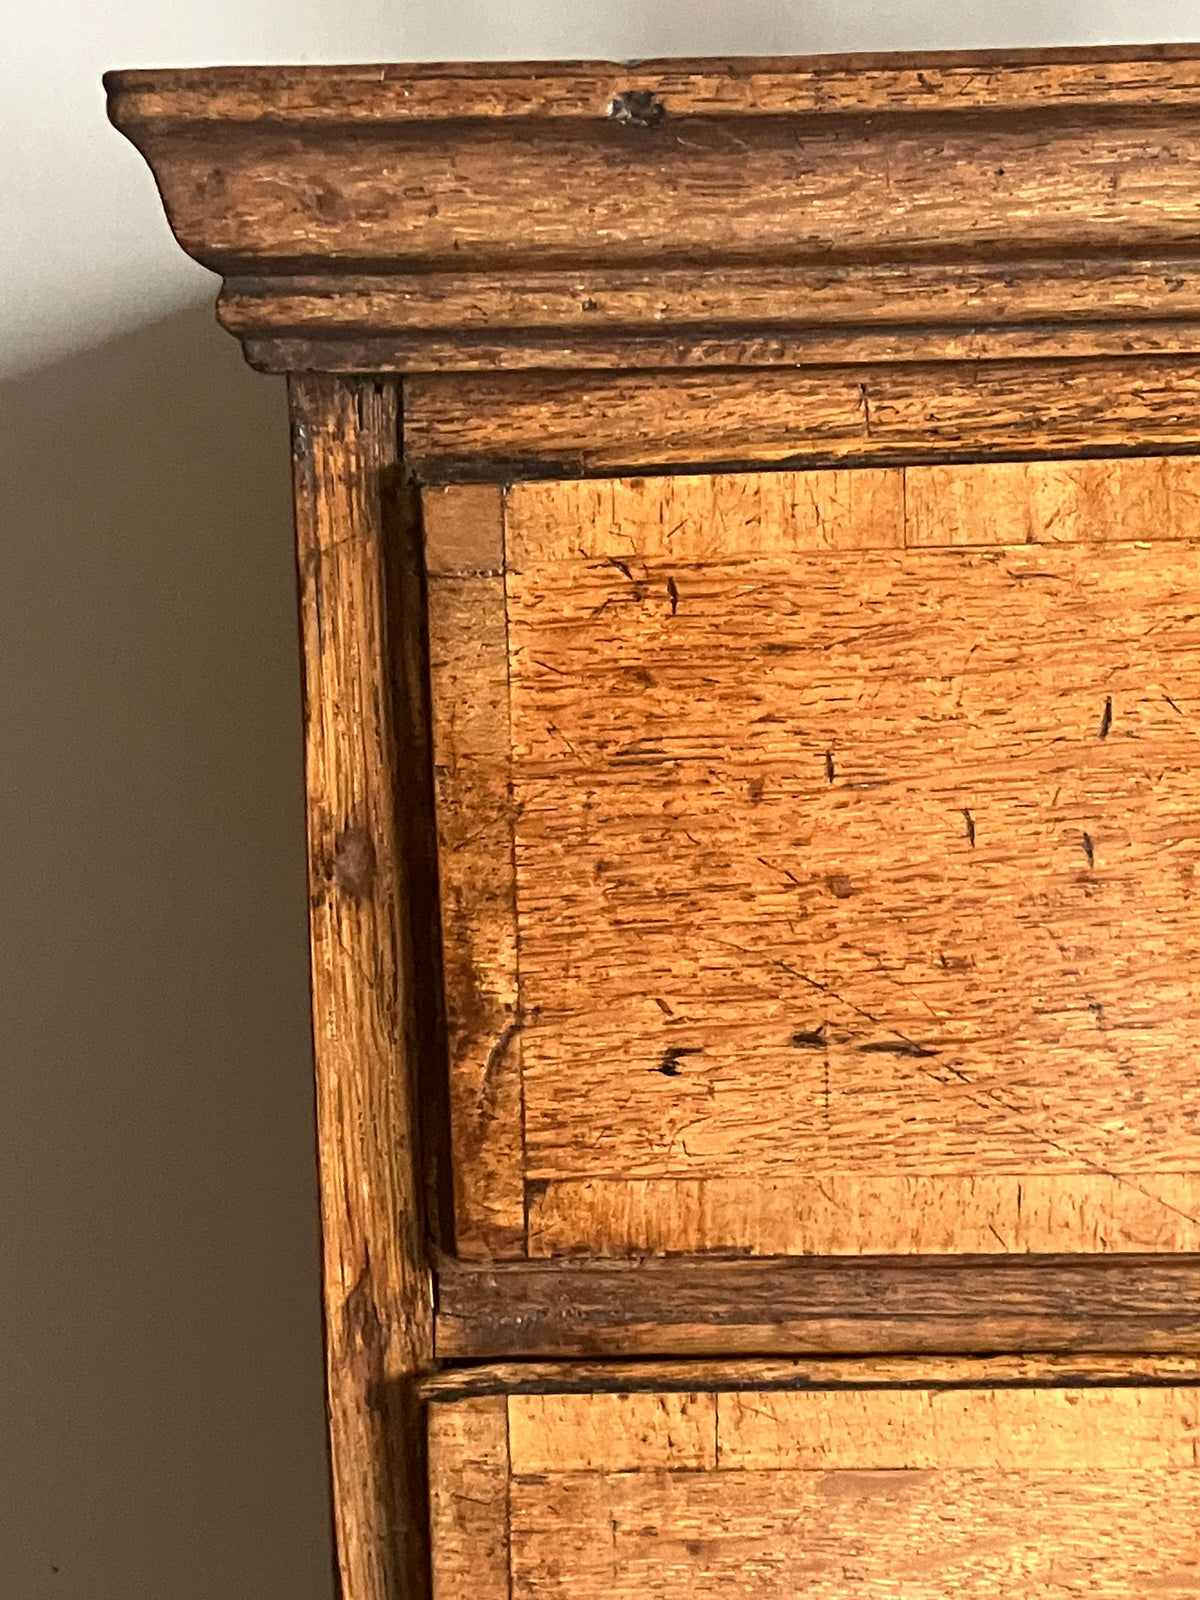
(502, 426)
(607, 317)
(698, 1306)
(323, 278)
(378, 1289)
(257, 205)
(995, 1214)
(469, 667)
(720, 346)
(408, 646)
(1132, 74)
(1033, 1370)
(1095, 297)
(469, 1469)
(1013, 1429)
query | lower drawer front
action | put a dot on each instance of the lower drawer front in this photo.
(922, 1484)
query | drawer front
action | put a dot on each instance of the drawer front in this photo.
(969, 1481)
(817, 856)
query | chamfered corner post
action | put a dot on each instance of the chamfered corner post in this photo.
(349, 503)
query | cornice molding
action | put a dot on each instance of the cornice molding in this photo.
(676, 214)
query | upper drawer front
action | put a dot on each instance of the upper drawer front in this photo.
(817, 857)
(926, 1491)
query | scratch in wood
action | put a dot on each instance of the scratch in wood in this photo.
(1089, 849)
(970, 821)
(829, 772)
(671, 1057)
(865, 401)
(559, 734)
(673, 595)
(900, 1047)
(821, 988)
(771, 867)
(1106, 718)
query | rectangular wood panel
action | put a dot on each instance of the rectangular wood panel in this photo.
(468, 667)
(905, 1487)
(497, 426)
(468, 1498)
(855, 828)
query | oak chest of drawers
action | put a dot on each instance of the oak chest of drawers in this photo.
(748, 523)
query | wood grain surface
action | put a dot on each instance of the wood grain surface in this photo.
(501, 426)
(417, 91)
(612, 1432)
(928, 1535)
(799, 306)
(486, 192)
(685, 214)
(811, 1372)
(378, 1293)
(468, 1499)
(472, 740)
(689, 1306)
(854, 1214)
(802, 328)
(854, 832)
(924, 1492)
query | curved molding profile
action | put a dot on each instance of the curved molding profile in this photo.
(658, 215)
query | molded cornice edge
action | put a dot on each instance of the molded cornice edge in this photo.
(739, 213)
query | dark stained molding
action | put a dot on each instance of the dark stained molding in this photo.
(683, 1307)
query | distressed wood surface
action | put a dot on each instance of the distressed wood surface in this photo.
(1015, 1429)
(929, 1535)
(802, 308)
(612, 1432)
(923, 804)
(413, 218)
(696, 1306)
(517, 425)
(484, 192)
(928, 1491)
(378, 1308)
(468, 1499)
(1053, 502)
(468, 666)
(813, 1372)
(998, 79)
(848, 1215)
(962, 950)
(582, 348)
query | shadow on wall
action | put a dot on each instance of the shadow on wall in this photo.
(157, 1170)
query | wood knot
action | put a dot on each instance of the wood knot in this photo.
(636, 108)
(354, 862)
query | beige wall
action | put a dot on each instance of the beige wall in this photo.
(160, 1402)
